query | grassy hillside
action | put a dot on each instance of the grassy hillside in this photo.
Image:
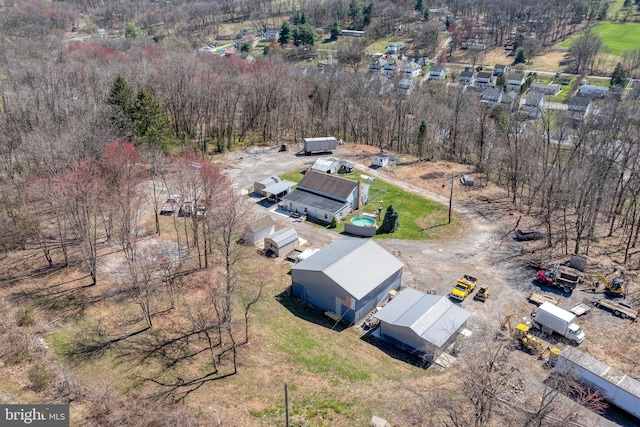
(617, 37)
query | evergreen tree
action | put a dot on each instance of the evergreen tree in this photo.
(390, 222)
(335, 30)
(422, 135)
(303, 35)
(618, 76)
(152, 125)
(427, 14)
(520, 58)
(501, 80)
(130, 31)
(121, 99)
(419, 6)
(366, 14)
(285, 34)
(355, 13)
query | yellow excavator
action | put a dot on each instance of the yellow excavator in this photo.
(527, 342)
(615, 288)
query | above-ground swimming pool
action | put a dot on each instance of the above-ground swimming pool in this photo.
(361, 225)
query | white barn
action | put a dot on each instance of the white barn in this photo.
(282, 241)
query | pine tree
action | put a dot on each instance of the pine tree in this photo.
(335, 30)
(427, 14)
(618, 76)
(422, 134)
(152, 125)
(285, 34)
(520, 58)
(390, 222)
(419, 6)
(121, 99)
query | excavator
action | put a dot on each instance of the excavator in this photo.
(615, 288)
(527, 342)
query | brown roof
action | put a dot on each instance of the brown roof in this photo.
(323, 183)
(261, 223)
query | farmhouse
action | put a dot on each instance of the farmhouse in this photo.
(319, 144)
(349, 277)
(259, 229)
(324, 197)
(281, 242)
(421, 323)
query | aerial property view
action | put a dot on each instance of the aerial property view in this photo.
(321, 213)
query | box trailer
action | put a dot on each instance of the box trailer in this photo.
(617, 388)
(327, 143)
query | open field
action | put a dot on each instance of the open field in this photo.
(617, 36)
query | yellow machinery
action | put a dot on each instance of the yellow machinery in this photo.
(528, 342)
(615, 288)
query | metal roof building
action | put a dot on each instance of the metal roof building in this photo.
(259, 229)
(320, 144)
(420, 322)
(282, 241)
(259, 186)
(349, 277)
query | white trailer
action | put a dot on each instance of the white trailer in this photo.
(618, 388)
(551, 318)
(327, 143)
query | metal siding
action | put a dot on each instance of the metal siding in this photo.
(322, 290)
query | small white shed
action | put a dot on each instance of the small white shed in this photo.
(259, 186)
(259, 229)
(383, 159)
(282, 241)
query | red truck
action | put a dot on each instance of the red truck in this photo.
(560, 277)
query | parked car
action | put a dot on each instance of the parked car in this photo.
(558, 75)
(186, 209)
(170, 205)
(201, 212)
(529, 234)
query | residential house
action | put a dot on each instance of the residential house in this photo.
(271, 34)
(406, 85)
(483, 80)
(392, 67)
(491, 96)
(467, 77)
(515, 81)
(578, 107)
(437, 73)
(593, 91)
(348, 277)
(500, 69)
(412, 69)
(281, 242)
(510, 100)
(421, 324)
(378, 65)
(534, 103)
(324, 197)
(549, 90)
(255, 232)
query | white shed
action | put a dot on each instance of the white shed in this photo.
(282, 241)
(259, 229)
(259, 186)
(382, 159)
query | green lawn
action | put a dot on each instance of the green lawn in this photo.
(617, 36)
(419, 218)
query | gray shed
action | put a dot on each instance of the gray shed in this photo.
(421, 323)
(282, 241)
(326, 143)
(259, 229)
(349, 277)
(259, 186)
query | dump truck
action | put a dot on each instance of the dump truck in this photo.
(561, 277)
(550, 318)
(616, 387)
(464, 286)
(618, 308)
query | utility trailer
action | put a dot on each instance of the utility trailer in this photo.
(618, 308)
(538, 299)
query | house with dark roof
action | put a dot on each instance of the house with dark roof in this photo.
(323, 197)
(467, 77)
(421, 323)
(515, 81)
(437, 73)
(348, 277)
(500, 69)
(578, 107)
(491, 96)
(483, 79)
(534, 103)
(549, 90)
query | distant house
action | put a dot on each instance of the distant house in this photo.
(593, 91)
(491, 96)
(578, 107)
(259, 229)
(384, 159)
(549, 90)
(271, 34)
(500, 69)
(392, 67)
(534, 103)
(349, 277)
(510, 100)
(323, 197)
(467, 77)
(326, 166)
(515, 81)
(421, 324)
(483, 80)
(282, 241)
(259, 186)
(412, 69)
(406, 85)
(378, 65)
(437, 73)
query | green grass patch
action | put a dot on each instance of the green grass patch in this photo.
(598, 81)
(614, 7)
(419, 218)
(59, 343)
(617, 36)
(381, 45)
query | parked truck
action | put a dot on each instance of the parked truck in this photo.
(550, 318)
(464, 286)
(561, 277)
(616, 387)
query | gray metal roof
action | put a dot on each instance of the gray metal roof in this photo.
(318, 182)
(433, 318)
(269, 180)
(357, 265)
(313, 200)
(279, 187)
(600, 369)
(260, 224)
(283, 237)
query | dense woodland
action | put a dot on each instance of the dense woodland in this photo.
(88, 128)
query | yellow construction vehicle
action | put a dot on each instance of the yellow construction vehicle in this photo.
(526, 341)
(615, 288)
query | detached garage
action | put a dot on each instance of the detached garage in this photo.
(421, 323)
(349, 277)
(282, 241)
